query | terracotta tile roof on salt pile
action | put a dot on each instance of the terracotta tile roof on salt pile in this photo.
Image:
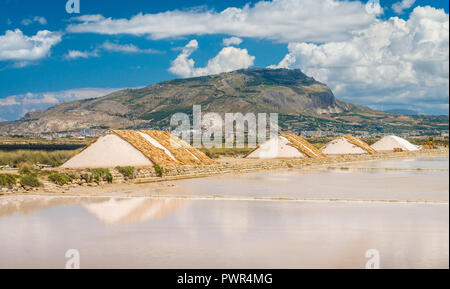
(360, 143)
(183, 155)
(181, 150)
(304, 146)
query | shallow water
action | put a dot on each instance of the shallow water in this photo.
(402, 180)
(192, 232)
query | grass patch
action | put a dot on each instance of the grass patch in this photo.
(30, 180)
(59, 179)
(101, 175)
(25, 168)
(54, 158)
(7, 180)
(215, 153)
(127, 172)
(158, 170)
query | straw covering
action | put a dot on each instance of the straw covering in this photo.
(357, 142)
(285, 146)
(304, 146)
(181, 151)
(153, 153)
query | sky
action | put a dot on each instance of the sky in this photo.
(380, 53)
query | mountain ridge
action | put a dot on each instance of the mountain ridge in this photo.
(302, 103)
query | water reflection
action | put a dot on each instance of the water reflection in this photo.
(109, 210)
(121, 211)
(227, 234)
(440, 163)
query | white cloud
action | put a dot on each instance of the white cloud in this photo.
(41, 20)
(26, 22)
(16, 46)
(228, 59)
(15, 106)
(75, 54)
(394, 62)
(232, 41)
(10, 100)
(36, 19)
(107, 46)
(401, 6)
(88, 18)
(126, 48)
(282, 20)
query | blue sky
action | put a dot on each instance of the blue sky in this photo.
(323, 38)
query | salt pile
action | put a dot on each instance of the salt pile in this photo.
(286, 146)
(347, 145)
(392, 142)
(138, 149)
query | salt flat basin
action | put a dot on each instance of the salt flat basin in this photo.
(325, 218)
(424, 163)
(402, 180)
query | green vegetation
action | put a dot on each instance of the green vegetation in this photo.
(14, 158)
(319, 142)
(7, 180)
(97, 175)
(25, 168)
(127, 172)
(158, 170)
(30, 180)
(101, 174)
(166, 112)
(276, 77)
(59, 179)
(215, 153)
(87, 177)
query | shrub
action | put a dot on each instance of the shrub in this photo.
(127, 172)
(158, 170)
(25, 168)
(54, 158)
(7, 180)
(59, 179)
(30, 180)
(101, 175)
(73, 174)
(215, 153)
(208, 153)
(87, 177)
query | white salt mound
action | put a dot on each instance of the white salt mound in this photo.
(389, 143)
(277, 147)
(108, 151)
(341, 146)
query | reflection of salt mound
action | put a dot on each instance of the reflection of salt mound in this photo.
(347, 145)
(392, 142)
(27, 205)
(285, 146)
(120, 211)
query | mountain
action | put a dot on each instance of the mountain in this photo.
(302, 103)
